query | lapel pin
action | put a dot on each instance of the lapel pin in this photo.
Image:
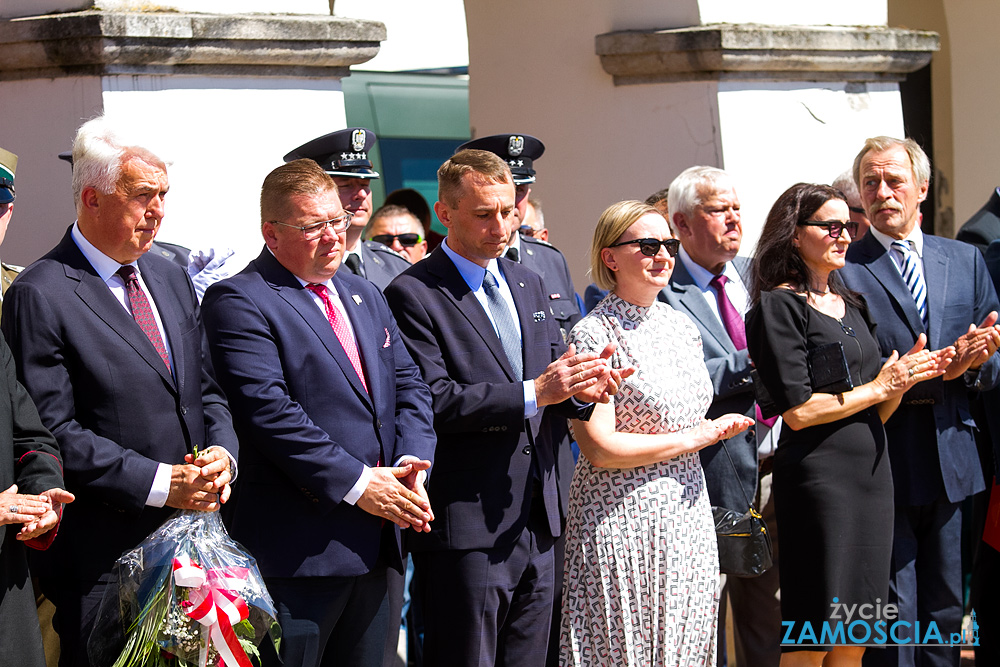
(520, 284)
(357, 298)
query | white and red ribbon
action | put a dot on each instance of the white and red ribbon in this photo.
(215, 606)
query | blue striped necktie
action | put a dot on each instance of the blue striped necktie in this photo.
(913, 277)
(509, 337)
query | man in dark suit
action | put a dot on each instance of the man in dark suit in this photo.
(481, 332)
(984, 227)
(344, 155)
(709, 282)
(947, 296)
(107, 341)
(335, 424)
(520, 151)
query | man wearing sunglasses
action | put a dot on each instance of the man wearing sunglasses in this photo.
(398, 229)
(709, 286)
(345, 155)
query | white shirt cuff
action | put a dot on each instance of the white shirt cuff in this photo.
(161, 486)
(359, 487)
(530, 401)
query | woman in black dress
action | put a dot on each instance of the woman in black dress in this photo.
(832, 484)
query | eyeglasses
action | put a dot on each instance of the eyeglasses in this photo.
(405, 240)
(315, 230)
(833, 227)
(649, 247)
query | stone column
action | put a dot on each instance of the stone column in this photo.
(223, 96)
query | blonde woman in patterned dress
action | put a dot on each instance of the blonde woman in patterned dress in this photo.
(641, 584)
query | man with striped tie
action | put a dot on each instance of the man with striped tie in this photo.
(922, 285)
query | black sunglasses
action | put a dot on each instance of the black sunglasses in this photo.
(405, 240)
(649, 247)
(833, 227)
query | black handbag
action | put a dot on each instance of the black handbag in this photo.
(744, 543)
(828, 374)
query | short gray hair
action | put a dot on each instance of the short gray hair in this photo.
(98, 155)
(845, 183)
(919, 161)
(689, 188)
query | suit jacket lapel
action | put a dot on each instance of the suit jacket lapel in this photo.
(299, 298)
(453, 285)
(936, 278)
(877, 260)
(95, 293)
(691, 296)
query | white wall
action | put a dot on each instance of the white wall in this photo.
(777, 134)
(14, 8)
(223, 136)
(794, 12)
(420, 35)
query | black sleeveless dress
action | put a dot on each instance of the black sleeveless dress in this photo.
(832, 484)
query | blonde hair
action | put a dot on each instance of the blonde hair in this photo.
(614, 222)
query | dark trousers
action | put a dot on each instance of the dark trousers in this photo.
(489, 607)
(328, 621)
(926, 583)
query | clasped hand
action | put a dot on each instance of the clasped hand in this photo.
(587, 376)
(397, 494)
(899, 373)
(200, 483)
(974, 347)
(39, 514)
(711, 431)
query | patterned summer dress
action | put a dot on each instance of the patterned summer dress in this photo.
(642, 565)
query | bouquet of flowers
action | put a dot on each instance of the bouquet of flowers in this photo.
(187, 596)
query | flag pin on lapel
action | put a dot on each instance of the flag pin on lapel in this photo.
(388, 339)
(357, 298)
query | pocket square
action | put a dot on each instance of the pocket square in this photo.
(538, 315)
(388, 340)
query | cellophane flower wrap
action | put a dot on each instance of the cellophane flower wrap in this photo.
(188, 595)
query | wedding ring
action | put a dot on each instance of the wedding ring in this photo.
(13, 509)
(911, 372)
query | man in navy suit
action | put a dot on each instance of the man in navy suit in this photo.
(481, 331)
(108, 343)
(918, 284)
(334, 420)
(708, 279)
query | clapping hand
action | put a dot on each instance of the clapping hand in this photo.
(974, 347)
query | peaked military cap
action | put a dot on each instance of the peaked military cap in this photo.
(517, 150)
(8, 165)
(340, 153)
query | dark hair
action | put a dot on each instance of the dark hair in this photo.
(776, 260)
(413, 202)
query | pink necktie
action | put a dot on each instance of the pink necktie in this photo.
(142, 312)
(341, 330)
(735, 327)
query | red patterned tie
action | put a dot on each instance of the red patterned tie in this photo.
(339, 328)
(142, 312)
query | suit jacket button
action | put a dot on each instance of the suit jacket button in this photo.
(378, 423)
(184, 410)
(751, 433)
(527, 449)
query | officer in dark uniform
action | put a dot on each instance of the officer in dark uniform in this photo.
(520, 151)
(8, 164)
(344, 155)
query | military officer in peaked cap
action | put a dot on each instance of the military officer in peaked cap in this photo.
(344, 155)
(520, 151)
(8, 164)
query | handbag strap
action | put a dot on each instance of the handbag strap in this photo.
(736, 472)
